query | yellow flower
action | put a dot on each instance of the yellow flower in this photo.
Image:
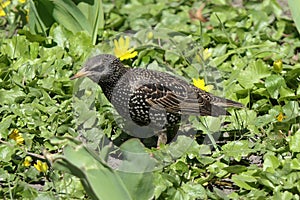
(150, 35)
(122, 50)
(15, 135)
(277, 65)
(200, 83)
(202, 56)
(27, 161)
(206, 54)
(22, 1)
(2, 6)
(41, 166)
(280, 117)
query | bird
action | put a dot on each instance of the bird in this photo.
(149, 98)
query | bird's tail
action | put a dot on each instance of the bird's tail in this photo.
(225, 103)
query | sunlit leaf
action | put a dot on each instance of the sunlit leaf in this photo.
(295, 142)
(273, 84)
(293, 5)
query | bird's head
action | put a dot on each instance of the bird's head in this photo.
(100, 68)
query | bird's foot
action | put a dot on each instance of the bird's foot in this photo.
(162, 137)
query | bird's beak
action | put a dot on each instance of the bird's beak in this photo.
(79, 74)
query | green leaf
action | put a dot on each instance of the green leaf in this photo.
(86, 16)
(194, 191)
(181, 167)
(97, 178)
(5, 124)
(286, 93)
(253, 74)
(213, 124)
(241, 181)
(291, 109)
(267, 182)
(6, 152)
(94, 14)
(237, 149)
(294, 5)
(273, 84)
(137, 160)
(294, 142)
(293, 78)
(271, 162)
(36, 24)
(295, 164)
(10, 96)
(66, 13)
(236, 169)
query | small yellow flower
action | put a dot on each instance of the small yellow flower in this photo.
(15, 135)
(202, 56)
(27, 161)
(277, 65)
(41, 166)
(2, 6)
(150, 35)
(200, 83)
(206, 54)
(22, 1)
(280, 117)
(122, 50)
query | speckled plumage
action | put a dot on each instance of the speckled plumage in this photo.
(151, 98)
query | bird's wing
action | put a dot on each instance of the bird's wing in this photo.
(175, 99)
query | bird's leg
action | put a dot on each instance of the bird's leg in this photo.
(162, 137)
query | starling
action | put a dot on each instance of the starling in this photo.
(151, 98)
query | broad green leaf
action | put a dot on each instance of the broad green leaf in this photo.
(139, 185)
(194, 191)
(294, 5)
(237, 149)
(137, 160)
(284, 195)
(66, 13)
(292, 78)
(97, 178)
(291, 109)
(94, 14)
(180, 146)
(294, 142)
(5, 124)
(80, 44)
(286, 93)
(6, 152)
(273, 84)
(212, 124)
(271, 162)
(10, 96)
(86, 16)
(218, 169)
(267, 182)
(253, 74)
(36, 23)
(241, 181)
(18, 47)
(295, 164)
(60, 35)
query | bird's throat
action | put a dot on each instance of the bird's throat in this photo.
(110, 83)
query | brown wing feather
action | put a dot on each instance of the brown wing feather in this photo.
(186, 100)
(163, 98)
